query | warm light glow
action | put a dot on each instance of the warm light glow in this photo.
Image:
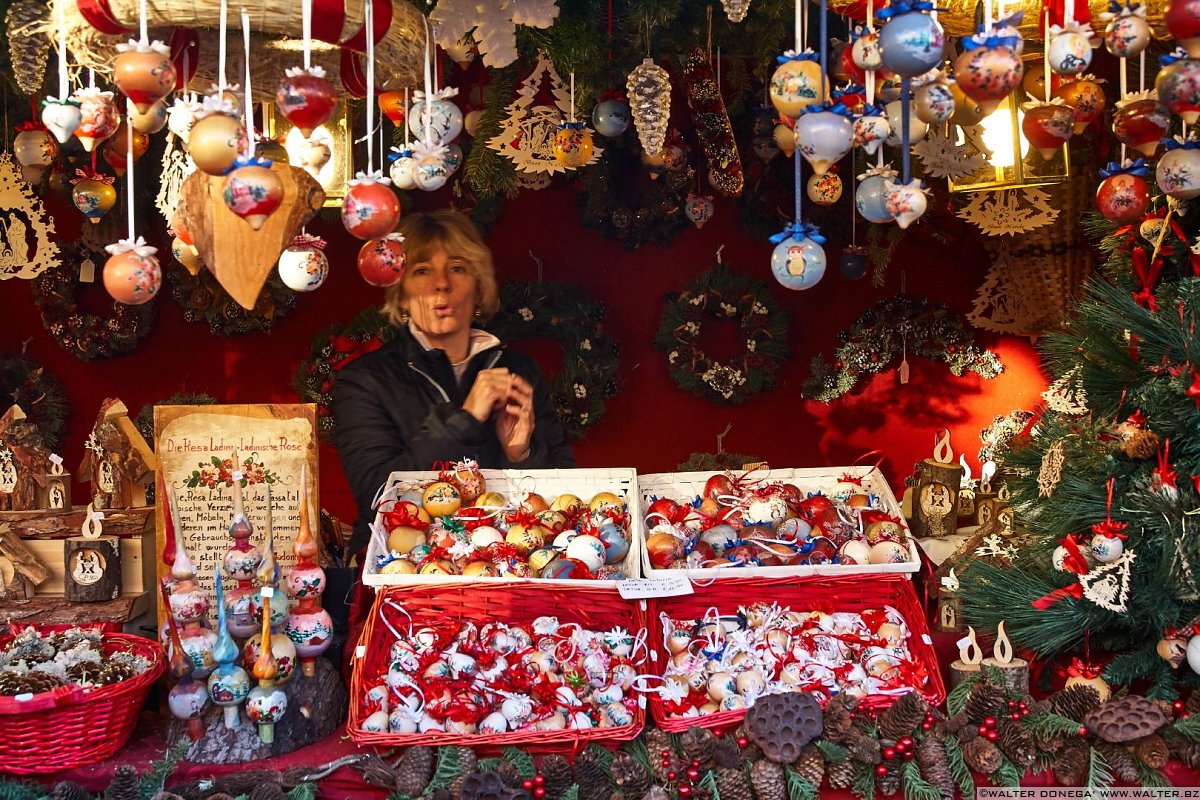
(999, 128)
(295, 140)
(297, 45)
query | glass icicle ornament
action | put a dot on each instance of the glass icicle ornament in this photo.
(735, 10)
(649, 90)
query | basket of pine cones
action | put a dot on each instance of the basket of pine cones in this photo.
(69, 698)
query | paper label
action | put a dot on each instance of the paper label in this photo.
(56, 458)
(671, 585)
(237, 475)
(268, 592)
(87, 271)
(97, 515)
(963, 643)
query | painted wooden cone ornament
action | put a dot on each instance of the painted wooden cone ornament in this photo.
(182, 114)
(798, 260)
(934, 102)
(229, 684)
(270, 609)
(61, 117)
(1123, 195)
(445, 118)
(1127, 33)
(99, 117)
(402, 169)
(572, 146)
(911, 42)
(306, 98)
(381, 261)
(131, 274)
(303, 266)
(188, 698)
(308, 625)
(824, 190)
(1182, 18)
(1048, 126)
(797, 82)
(1178, 86)
(34, 146)
(906, 202)
(187, 255)
(989, 67)
(116, 147)
(217, 138)
(143, 72)
(153, 120)
(1178, 171)
(93, 194)
(698, 209)
(968, 112)
(1140, 123)
(895, 116)
(266, 703)
(871, 130)
(870, 198)
(824, 135)
(1070, 50)
(252, 191)
(1086, 97)
(391, 104)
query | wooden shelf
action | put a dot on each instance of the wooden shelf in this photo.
(54, 609)
(43, 524)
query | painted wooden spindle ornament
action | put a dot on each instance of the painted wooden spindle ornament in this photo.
(306, 98)
(153, 120)
(252, 190)
(143, 72)
(216, 140)
(99, 117)
(393, 106)
(572, 145)
(1140, 123)
(1085, 97)
(989, 67)
(1070, 49)
(116, 147)
(189, 604)
(308, 625)
(797, 83)
(1182, 18)
(1127, 33)
(229, 684)
(824, 135)
(33, 146)
(798, 260)
(444, 117)
(266, 703)
(934, 102)
(871, 129)
(870, 198)
(1123, 195)
(132, 274)
(403, 169)
(93, 194)
(241, 563)
(188, 698)
(303, 266)
(273, 610)
(1178, 170)
(906, 202)
(1178, 86)
(912, 41)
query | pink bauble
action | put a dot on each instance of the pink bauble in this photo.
(1141, 125)
(131, 278)
(988, 73)
(381, 262)
(253, 192)
(370, 210)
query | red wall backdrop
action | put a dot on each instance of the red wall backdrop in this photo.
(651, 424)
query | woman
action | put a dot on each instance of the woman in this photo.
(441, 390)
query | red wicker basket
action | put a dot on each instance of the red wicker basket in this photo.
(71, 726)
(851, 593)
(515, 602)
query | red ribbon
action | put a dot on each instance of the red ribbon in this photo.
(31, 125)
(1075, 560)
(404, 515)
(1047, 600)
(92, 175)
(1165, 473)
(1081, 669)
(1148, 274)
(522, 517)
(100, 16)
(1110, 528)
(1193, 391)
(354, 74)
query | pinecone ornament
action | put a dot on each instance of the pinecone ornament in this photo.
(1075, 702)
(512, 778)
(1016, 743)
(558, 776)
(29, 51)
(125, 784)
(981, 755)
(414, 770)
(1187, 751)
(888, 784)
(903, 717)
(864, 748)
(841, 775)
(629, 775)
(985, 700)
(727, 754)
(467, 761)
(935, 766)
(1153, 751)
(649, 92)
(699, 744)
(1192, 706)
(751, 751)
(839, 717)
(811, 765)
(1142, 445)
(766, 777)
(591, 776)
(1072, 762)
(68, 790)
(1119, 760)
(735, 10)
(731, 784)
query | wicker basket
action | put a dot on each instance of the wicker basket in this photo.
(827, 594)
(71, 726)
(514, 602)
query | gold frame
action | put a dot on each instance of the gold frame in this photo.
(340, 168)
(1029, 170)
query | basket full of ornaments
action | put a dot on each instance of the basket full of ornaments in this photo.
(465, 524)
(536, 664)
(774, 523)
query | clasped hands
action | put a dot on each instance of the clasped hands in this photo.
(510, 398)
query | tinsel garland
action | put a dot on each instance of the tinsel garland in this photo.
(887, 329)
(204, 300)
(723, 294)
(25, 383)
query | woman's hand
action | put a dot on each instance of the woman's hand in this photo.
(514, 424)
(489, 393)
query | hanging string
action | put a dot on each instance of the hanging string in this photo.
(221, 83)
(718, 69)
(853, 189)
(1124, 91)
(249, 100)
(824, 23)
(610, 20)
(142, 22)
(92, 72)
(129, 109)
(870, 72)
(369, 24)
(427, 117)
(62, 50)
(306, 28)
(572, 96)
(647, 36)
(905, 99)
(1046, 57)
(796, 160)
(407, 111)
(799, 26)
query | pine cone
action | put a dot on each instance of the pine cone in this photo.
(751, 752)
(558, 776)
(727, 753)
(467, 761)
(864, 748)
(839, 717)
(483, 786)
(1072, 762)
(1192, 706)
(767, 779)
(731, 785)
(889, 785)
(656, 793)
(376, 771)
(658, 743)
(1075, 702)
(29, 52)
(629, 775)
(591, 776)
(414, 771)
(985, 700)
(981, 755)
(841, 776)
(1142, 445)
(125, 784)
(512, 779)
(1153, 751)
(811, 765)
(1187, 751)
(903, 717)
(699, 744)
(1016, 743)
(67, 790)
(935, 766)
(1120, 761)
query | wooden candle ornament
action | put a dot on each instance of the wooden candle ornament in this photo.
(969, 657)
(949, 616)
(1014, 670)
(985, 494)
(935, 497)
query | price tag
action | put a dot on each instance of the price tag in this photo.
(268, 592)
(642, 588)
(963, 643)
(237, 475)
(56, 458)
(87, 271)
(96, 515)
(925, 638)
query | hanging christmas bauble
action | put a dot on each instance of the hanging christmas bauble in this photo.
(1086, 97)
(98, 117)
(1034, 82)
(870, 198)
(655, 165)
(252, 190)
(116, 147)
(179, 227)
(273, 150)
(823, 137)
(453, 158)
(906, 202)
(391, 105)
(735, 10)
(649, 91)
(864, 52)
(187, 255)
(182, 114)
(988, 71)
(785, 137)
(61, 117)
(797, 83)
(968, 112)
(934, 103)
(381, 261)
(402, 169)
(94, 197)
(698, 209)
(1193, 653)
(572, 145)
(824, 190)
(370, 209)
(1047, 127)
(888, 91)
(854, 262)
(1096, 681)
(853, 97)
(1182, 19)
(306, 98)
(916, 128)
(430, 171)
(1178, 171)
(610, 117)
(34, 146)
(144, 73)
(1172, 648)
(911, 42)
(846, 69)
(1150, 228)
(445, 119)
(871, 129)
(1070, 49)
(798, 260)
(314, 155)
(1106, 549)
(131, 274)
(215, 142)
(462, 52)
(1141, 123)
(1123, 196)
(1128, 34)
(153, 120)
(1178, 87)
(303, 266)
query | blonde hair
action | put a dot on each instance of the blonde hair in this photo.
(424, 234)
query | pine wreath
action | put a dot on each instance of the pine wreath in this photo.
(87, 336)
(203, 298)
(724, 295)
(560, 311)
(618, 197)
(26, 383)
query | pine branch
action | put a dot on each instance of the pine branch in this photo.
(1099, 775)
(155, 778)
(1007, 775)
(603, 757)
(1150, 778)
(709, 784)
(1047, 725)
(303, 791)
(957, 699)
(446, 770)
(958, 766)
(798, 786)
(864, 781)
(636, 748)
(572, 793)
(522, 761)
(489, 764)
(11, 790)
(915, 786)
(1187, 728)
(834, 753)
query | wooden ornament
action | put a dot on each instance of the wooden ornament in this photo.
(949, 613)
(92, 563)
(1015, 671)
(240, 257)
(27, 246)
(20, 569)
(935, 497)
(23, 460)
(54, 488)
(117, 461)
(969, 657)
(985, 493)
(966, 494)
(999, 509)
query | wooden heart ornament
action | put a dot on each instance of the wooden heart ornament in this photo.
(240, 257)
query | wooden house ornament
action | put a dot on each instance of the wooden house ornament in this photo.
(54, 487)
(23, 459)
(935, 496)
(117, 461)
(20, 569)
(92, 563)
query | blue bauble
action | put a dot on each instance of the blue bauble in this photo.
(563, 569)
(853, 264)
(616, 546)
(911, 44)
(610, 118)
(798, 264)
(871, 199)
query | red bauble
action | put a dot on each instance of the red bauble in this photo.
(665, 507)
(1086, 97)
(306, 99)
(988, 73)
(718, 486)
(1047, 127)
(381, 262)
(131, 278)
(1123, 198)
(853, 71)
(1141, 125)
(1182, 19)
(370, 209)
(663, 549)
(253, 192)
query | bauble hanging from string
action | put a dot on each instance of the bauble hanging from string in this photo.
(143, 72)
(934, 102)
(1070, 48)
(116, 146)
(471, 122)
(989, 67)
(1034, 82)
(864, 51)
(370, 209)
(824, 190)
(735, 10)
(445, 118)
(402, 168)
(1123, 195)
(152, 121)
(252, 190)
(306, 98)
(34, 146)
(187, 255)
(797, 82)
(870, 198)
(1178, 170)
(182, 115)
(968, 112)
(216, 140)
(303, 266)
(1047, 126)
(611, 117)
(462, 52)
(854, 262)
(798, 260)
(1127, 33)
(895, 116)
(393, 105)
(572, 146)
(93, 194)
(824, 135)
(785, 137)
(99, 117)
(906, 202)
(911, 42)
(1182, 18)
(381, 262)
(698, 209)
(649, 90)
(1086, 97)
(453, 158)
(1178, 85)
(314, 155)
(273, 150)
(1140, 123)
(871, 129)
(131, 274)
(430, 167)
(61, 117)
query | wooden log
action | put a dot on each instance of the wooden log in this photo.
(935, 498)
(240, 257)
(960, 671)
(1015, 673)
(93, 569)
(49, 609)
(23, 560)
(46, 524)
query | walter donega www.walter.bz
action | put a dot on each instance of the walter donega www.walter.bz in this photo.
(1130, 793)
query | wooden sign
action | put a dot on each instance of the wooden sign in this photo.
(92, 563)
(196, 448)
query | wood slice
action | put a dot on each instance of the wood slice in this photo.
(935, 499)
(1015, 673)
(960, 671)
(240, 257)
(93, 569)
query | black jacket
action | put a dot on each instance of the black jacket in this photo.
(400, 408)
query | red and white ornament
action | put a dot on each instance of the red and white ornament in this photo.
(381, 261)
(143, 72)
(1048, 126)
(252, 190)
(990, 68)
(1127, 33)
(1178, 86)
(1140, 123)
(1178, 171)
(1123, 196)
(370, 209)
(131, 274)
(306, 98)
(1107, 549)
(871, 130)
(98, 117)
(303, 266)
(1182, 18)
(698, 209)
(1086, 97)
(444, 118)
